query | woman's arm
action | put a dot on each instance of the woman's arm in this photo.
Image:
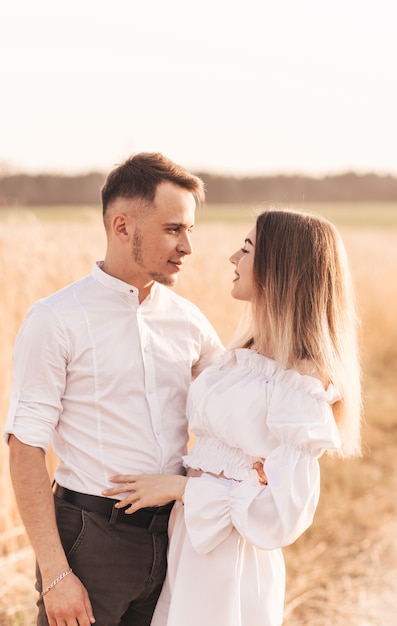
(146, 490)
(156, 489)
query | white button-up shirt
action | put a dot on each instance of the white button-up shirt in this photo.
(105, 379)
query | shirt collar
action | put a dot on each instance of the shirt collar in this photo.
(110, 282)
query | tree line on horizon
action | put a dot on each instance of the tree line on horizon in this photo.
(84, 189)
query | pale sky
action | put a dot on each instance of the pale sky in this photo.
(240, 87)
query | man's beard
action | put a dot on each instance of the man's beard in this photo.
(137, 247)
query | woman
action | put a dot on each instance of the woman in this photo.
(286, 390)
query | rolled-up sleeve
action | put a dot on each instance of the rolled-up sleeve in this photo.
(39, 377)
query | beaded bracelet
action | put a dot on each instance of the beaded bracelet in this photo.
(55, 582)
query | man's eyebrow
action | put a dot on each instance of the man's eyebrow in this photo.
(177, 225)
(248, 241)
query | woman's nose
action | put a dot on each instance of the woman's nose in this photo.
(234, 258)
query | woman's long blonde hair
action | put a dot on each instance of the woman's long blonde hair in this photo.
(303, 308)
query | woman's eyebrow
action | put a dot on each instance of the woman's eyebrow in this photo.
(248, 241)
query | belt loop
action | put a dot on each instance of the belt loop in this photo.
(113, 518)
(159, 524)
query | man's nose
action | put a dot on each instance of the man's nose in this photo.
(185, 245)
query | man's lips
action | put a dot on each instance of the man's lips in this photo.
(177, 264)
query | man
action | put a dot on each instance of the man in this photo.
(101, 370)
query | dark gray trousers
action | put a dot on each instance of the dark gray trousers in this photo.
(121, 566)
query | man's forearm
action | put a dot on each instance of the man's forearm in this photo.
(36, 506)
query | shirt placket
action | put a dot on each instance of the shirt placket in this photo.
(149, 366)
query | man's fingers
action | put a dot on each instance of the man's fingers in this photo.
(89, 611)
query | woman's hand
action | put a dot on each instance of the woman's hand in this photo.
(258, 466)
(146, 490)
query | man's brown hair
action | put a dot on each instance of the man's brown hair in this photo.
(139, 176)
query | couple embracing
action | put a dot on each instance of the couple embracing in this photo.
(103, 371)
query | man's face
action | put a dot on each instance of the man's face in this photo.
(161, 238)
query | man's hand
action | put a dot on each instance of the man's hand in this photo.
(68, 603)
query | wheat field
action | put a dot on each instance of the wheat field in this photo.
(343, 570)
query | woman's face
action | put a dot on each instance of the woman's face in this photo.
(243, 259)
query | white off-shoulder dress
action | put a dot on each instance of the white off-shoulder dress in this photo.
(225, 564)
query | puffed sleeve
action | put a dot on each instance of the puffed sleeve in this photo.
(39, 375)
(301, 426)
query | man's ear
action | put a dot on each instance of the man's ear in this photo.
(121, 226)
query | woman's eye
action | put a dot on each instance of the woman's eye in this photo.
(244, 250)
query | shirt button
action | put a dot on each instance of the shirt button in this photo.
(131, 291)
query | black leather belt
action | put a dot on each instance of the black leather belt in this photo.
(151, 518)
